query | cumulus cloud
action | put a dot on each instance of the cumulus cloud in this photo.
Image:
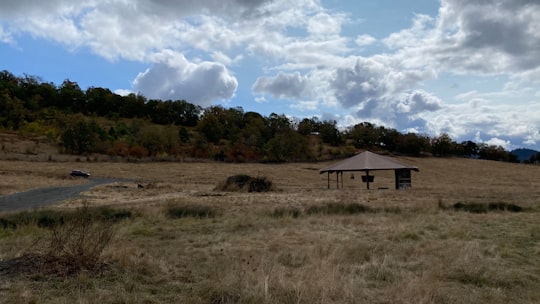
(464, 38)
(174, 77)
(195, 49)
(363, 40)
(324, 24)
(282, 86)
(371, 80)
(419, 101)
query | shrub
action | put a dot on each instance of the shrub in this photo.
(74, 246)
(79, 244)
(245, 183)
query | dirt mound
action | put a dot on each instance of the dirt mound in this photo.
(245, 183)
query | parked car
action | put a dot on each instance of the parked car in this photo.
(80, 173)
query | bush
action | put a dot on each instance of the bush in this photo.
(245, 183)
(73, 245)
(79, 244)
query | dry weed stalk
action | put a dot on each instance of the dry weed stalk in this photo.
(80, 242)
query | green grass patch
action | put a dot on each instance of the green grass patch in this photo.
(55, 218)
(336, 208)
(486, 207)
(197, 211)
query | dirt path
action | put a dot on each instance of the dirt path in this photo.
(41, 197)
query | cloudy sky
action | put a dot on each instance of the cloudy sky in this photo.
(467, 68)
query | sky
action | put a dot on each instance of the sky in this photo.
(470, 69)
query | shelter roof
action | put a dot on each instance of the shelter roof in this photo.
(368, 161)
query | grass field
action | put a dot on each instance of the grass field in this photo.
(183, 242)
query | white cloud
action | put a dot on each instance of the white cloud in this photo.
(123, 92)
(282, 86)
(174, 77)
(464, 38)
(194, 49)
(494, 141)
(419, 101)
(363, 40)
(5, 37)
(324, 24)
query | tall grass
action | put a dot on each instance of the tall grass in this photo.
(175, 211)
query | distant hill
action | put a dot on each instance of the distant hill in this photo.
(523, 154)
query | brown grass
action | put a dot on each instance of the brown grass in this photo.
(406, 249)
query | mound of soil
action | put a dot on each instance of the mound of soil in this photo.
(245, 183)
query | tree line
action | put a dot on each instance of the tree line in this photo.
(100, 121)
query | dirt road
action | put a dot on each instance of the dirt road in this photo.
(41, 197)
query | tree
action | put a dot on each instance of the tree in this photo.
(210, 127)
(492, 152)
(183, 135)
(365, 135)
(442, 145)
(287, 145)
(413, 144)
(307, 126)
(71, 97)
(80, 138)
(535, 158)
(469, 148)
(278, 123)
(389, 138)
(13, 114)
(329, 133)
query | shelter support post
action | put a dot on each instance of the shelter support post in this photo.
(367, 178)
(328, 179)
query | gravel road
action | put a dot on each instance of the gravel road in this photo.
(41, 197)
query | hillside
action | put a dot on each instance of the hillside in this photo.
(523, 154)
(97, 122)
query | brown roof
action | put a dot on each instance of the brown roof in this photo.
(367, 161)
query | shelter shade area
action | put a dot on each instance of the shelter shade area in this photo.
(367, 162)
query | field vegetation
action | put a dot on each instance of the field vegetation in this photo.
(468, 231)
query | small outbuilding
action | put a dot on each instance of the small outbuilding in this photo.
(368, 161)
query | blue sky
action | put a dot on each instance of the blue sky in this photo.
(467, 68)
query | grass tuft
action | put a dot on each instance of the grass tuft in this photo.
(287, 212)
(337, 208)
(484, 208)
(197, 211)
(52, 218)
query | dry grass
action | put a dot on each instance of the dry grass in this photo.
(405, 249)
